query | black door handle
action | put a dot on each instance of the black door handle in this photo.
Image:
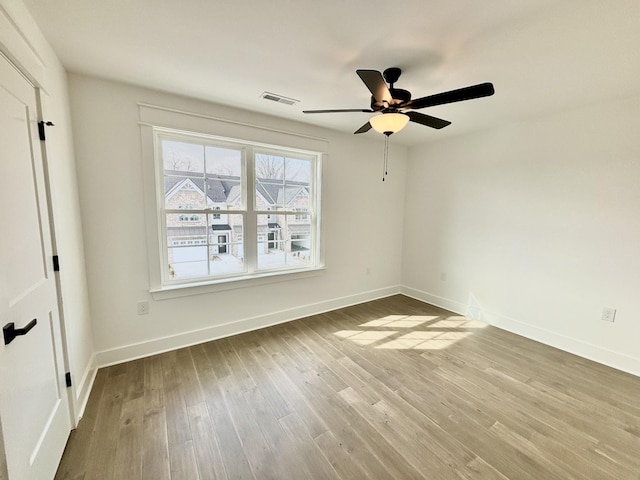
(11, 332)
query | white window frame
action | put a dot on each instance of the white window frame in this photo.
(154, 120)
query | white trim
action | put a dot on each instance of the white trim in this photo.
(619, 361)
(18, 49)
(451, 305)
(146, 115)
(83, 389)
(194, 337)
(159, 275)
(188, 289)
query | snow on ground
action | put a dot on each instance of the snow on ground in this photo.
(226, 264)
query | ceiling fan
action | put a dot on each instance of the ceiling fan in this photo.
(395, 106)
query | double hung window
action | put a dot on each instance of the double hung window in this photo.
(231, 209)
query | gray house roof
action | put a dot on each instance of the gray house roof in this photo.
(223, 188)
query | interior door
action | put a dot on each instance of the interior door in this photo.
(33, 403)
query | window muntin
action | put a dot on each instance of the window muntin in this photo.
(279, 209)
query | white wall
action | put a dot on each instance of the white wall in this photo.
(362, 228)
(22, 41)
(535, 227)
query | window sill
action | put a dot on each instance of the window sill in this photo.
(185, 290)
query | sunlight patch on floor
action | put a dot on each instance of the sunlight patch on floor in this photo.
(400, 321)
(365, 337)
(434, 333)
(459, 322)
(425, 340)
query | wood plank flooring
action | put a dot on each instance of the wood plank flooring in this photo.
(392, 388)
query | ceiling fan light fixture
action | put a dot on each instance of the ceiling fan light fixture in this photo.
(388, 123)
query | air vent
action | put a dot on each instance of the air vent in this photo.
(274, 97)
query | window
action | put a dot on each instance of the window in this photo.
(232, 209)
(301, 217)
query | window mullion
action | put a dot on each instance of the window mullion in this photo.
(251, 228)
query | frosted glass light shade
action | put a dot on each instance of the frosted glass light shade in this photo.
(389, 122)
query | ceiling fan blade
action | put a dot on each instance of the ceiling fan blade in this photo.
(427, 120)
(466, 93)
(364, 128)
(376, 85)
(339, 110)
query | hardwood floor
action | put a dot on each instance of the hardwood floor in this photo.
(392, 388)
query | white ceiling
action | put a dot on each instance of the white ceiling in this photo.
(541, 55)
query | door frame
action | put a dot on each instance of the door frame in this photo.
(54, 252)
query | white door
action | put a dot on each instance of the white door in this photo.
(33, 403)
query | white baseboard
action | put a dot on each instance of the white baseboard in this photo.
(451, 305)
(83, 389)
(619, 361)
(158, 345)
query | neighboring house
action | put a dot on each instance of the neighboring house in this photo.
(289, 232)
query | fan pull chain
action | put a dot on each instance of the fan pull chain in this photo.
(385, 162)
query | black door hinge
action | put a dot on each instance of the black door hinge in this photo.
(67, 379)
(56, 263)
(41, 125)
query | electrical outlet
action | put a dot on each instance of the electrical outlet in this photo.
(143, 307)
(608, 314)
